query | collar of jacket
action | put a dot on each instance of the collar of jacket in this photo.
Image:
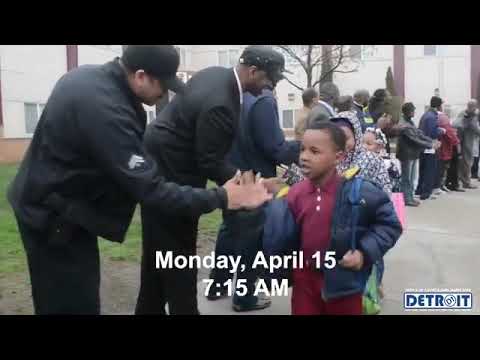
(118, 73)
(408, 120)
(359, 106)
(329, 107)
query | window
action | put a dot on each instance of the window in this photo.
(362, 52)
(223, 58)
(430, 50)
(355, 52)
(287, 119)
(32, 115)
(228, 58)
(234, 55)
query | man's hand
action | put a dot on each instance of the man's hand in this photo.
(352, 260)
(384, 122)
(246, 192)
(273, 185)
(437, 144)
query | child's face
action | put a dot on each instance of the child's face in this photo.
(370, 142)
(319, 154)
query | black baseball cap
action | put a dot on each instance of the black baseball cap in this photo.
(265, 58)
(159, 61)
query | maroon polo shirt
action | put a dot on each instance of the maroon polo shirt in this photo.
(312, 207)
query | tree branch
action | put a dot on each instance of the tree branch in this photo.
(293, 84)
(291, 53)
(333, 68)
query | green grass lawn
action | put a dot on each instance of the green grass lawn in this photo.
(12, 255)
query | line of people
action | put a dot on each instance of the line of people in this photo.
(446, 151)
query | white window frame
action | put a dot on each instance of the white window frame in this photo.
(183, 56)
(40, 107)
(363, 49)
(292, 111)
(229, 57)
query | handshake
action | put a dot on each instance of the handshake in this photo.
(248, 191)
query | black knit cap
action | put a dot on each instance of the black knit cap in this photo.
(159, 61)
(265, 58)
(435, 102)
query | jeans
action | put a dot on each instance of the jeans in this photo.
(409, 173)
(428, 174)
(248, 251)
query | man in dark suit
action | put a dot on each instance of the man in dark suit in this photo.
(189, 141)
(260, 146)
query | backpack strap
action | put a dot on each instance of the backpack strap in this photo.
(355, 200)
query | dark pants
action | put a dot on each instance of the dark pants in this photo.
(248, 250)
(475, 168)
(452, 172)
(64, 269)
(428, 174)
(159, 287)
(443, 166)
(409, 172)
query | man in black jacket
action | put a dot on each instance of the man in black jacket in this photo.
(86, 169)
(411, 142)
(189, 141)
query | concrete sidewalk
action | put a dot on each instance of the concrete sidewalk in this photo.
(439, 249)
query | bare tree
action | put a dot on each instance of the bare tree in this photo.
(320, 62)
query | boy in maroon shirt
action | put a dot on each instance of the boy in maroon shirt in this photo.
(316, 204)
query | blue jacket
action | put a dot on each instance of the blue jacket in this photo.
(260, 144)
(376, 231)
(429, 124)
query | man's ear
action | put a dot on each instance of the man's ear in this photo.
(339, 156)
(252, 70)
(140, 74)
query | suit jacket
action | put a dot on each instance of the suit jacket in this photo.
(192, 135)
